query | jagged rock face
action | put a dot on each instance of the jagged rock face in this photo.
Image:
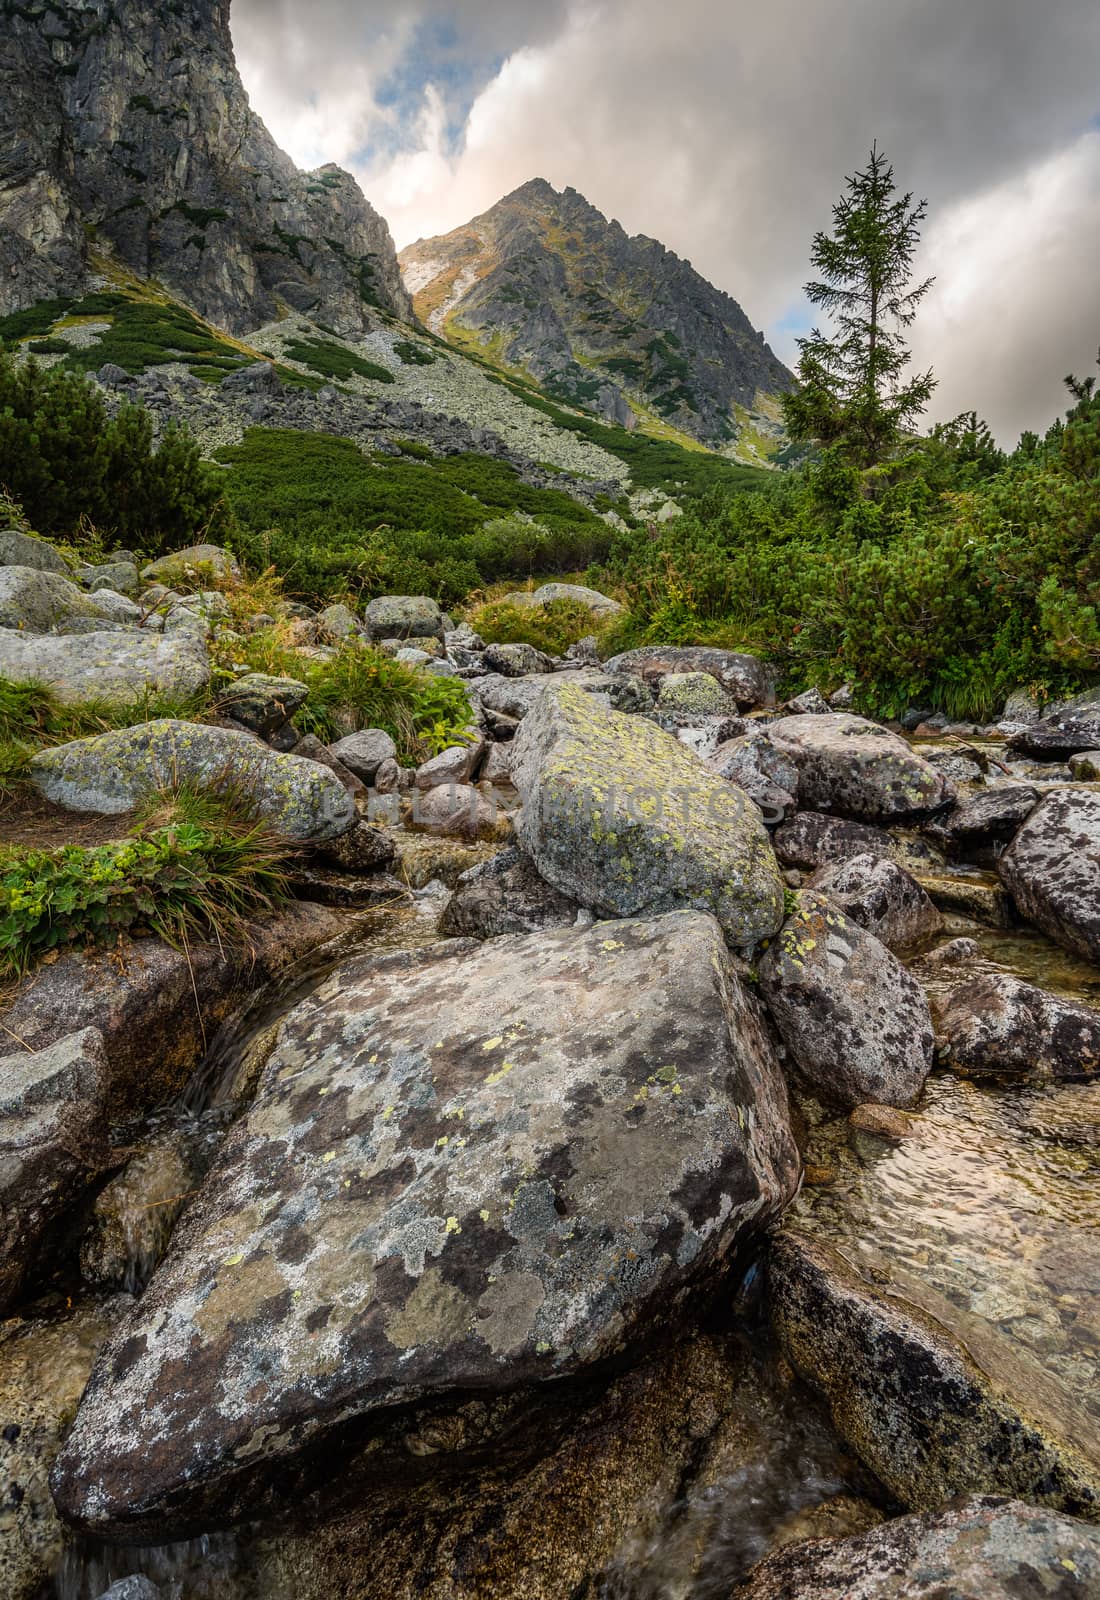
(618, 324)
(125, 129)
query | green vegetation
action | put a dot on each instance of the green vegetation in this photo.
(412, 354)
(361, 688)
(334, 361)
(141, 334)
(183, 881)
(69, 462)
(943, 579)
(331, 519)
(852, 395)
(551, 628)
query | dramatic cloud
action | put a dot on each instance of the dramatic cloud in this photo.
(725, 130)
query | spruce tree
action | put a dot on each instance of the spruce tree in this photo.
(852, 393)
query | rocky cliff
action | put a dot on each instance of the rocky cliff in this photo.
(125, 131)
(543, 282)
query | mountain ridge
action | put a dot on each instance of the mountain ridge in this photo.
(543, 284)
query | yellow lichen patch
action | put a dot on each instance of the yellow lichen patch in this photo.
(498, 1077)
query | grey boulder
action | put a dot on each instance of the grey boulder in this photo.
(505, 895)
(810, 840)
(592, 598)
(996, 1026)
(514, 697)
(262, 703)
(1052, 869)
(620, 816)
(855, 1022)
(118, 669)
(403, 616)
(757, 766)
(111, 772)
(195, 561)
(24, 550)
(516, 660)
(35, 600)
(881, 897)
(744, 678)
(858, 769)
(462, 1173)
(364, 752)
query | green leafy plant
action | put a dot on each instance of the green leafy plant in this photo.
(551, 628)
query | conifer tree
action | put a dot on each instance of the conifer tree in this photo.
(852, 393)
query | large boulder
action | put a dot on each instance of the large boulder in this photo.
(117, 668)
(996, 1026)
(1052, 869)
(980, 1548)
(462, 1172)
(592, 598)
(514, 697)
(744, 678)
(1057, 738)
(990, 818)
(35, 600)
(403, 616)
(191, 565)
(933, 1400)
(809, 840)
(856, 1023)
(693, 694)
(505, 895)
(881, 897)
(53, 1143)
(111, 772)
(364, 752)
(516, 660)
(621, 817)
(858, 769)
(24, 550)
(262, 703)
(755, 765)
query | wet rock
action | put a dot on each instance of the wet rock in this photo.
(194, 564)
(620, 816)
(138, 1588)
(44, 1366)
(1085, 766)
(755, 765)
(262, 703)
(365, 751)
(110, 773)
(402, 616)
(457, 811)
(810, 840)
(362, 849)
(744, 678)
(505, 895)
(122, 668)
(457, 764)
(934, 1401)
(516, 660)
(858, 769)
(880, 896)
(53, 1143)
(602, 604)
(990, 818)
(34, 600)
(461, 1173)
(157, 1007)
(855, 1022)
(980, 899)
(995, 1026)
(885, 1122)
(1056, 738)
(1052, 870)
(24, 550)
(1066, 1116)
(350, 890)
(979, 1548)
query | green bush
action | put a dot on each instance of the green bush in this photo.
(69, 462)
(333, 361)
(551, 628)
(413, 355)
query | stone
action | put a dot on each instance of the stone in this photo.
(880, 896)
(1021, 707)
(744, 678)
(547, 593)
(855, 1022)
(693, 694)
(504, 895)
(311, 749)
(969, 894)
(766, 775)
(44, 1366)
(620, 816)
(118, 669)
(811, 702)
(364, 752)
(1085, 766)
(996, 1026)
(53, 1143)
(157, 1007)
(121, 576)
(110, 606)
(411, 657)
(195, 561)
(347, 890)
(338, 622)
(842, 699)
(362, 849)
(1052, 870)
(934, 1401)
(884, 1122)
(401, 616)
(810, 840)
(516, 660)
(462, 1173)
(111, 772)
(514, 697)
(978, 1548)
(137, 1587)
(19, 549)
(457, 764)
(262, 703)
(993, 817)
(1056, 738)
(34, 600)
(497, 766)
(456, 811)
(855, 768)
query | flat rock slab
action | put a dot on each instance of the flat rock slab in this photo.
(111, 772)
(980, 1548)
(462, 1172)
(1052, 869)
(858, 769)
(622, 817)
(118, 668)
(933, 1400)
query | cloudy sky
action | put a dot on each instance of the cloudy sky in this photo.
(725, 129)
